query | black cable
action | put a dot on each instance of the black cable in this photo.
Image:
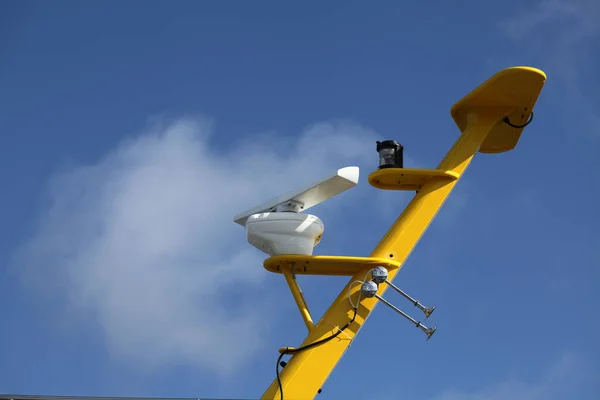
(277, 372)
(507, 121)
(289, 350)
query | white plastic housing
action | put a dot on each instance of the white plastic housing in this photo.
(310, 195)
(280, 233)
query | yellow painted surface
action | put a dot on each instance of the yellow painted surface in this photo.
(326, 265)
(299, 299)
(407, 178)
(477, 116)
(516, 91)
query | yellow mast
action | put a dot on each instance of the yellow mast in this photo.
(491, 119)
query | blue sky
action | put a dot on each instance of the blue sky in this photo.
(132, 133)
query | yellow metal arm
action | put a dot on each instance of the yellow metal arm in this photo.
(299, 298)
(510, 93)
(326, 265)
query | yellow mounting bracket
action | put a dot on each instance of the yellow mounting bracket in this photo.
(326, 265)
(292, 265)
(481, 118)
(407, 178)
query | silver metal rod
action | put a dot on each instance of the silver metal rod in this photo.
(426, 310)
(399, 311)
(418, 324)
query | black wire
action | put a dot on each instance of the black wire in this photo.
(277, 372)
(507, 121)
(308, 346)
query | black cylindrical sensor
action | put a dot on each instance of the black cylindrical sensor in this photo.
(390, 154)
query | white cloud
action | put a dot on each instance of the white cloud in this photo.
(557, 25)
(142, 241)
(561, 36)
(566, 379)
(574, 16)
